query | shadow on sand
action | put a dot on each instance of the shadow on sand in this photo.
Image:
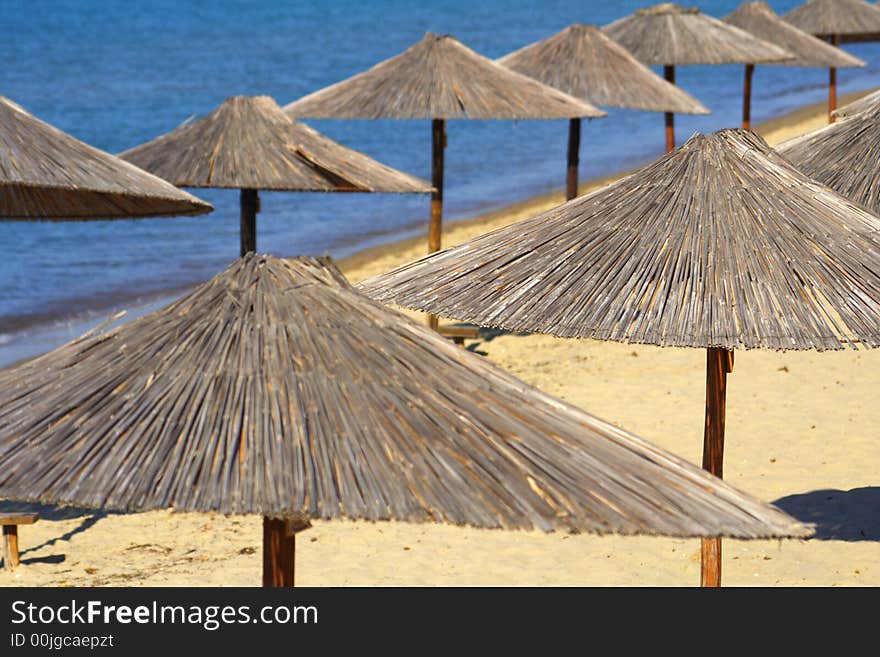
(52, 558)
(487, 335)
(839, 515)
(54, 512)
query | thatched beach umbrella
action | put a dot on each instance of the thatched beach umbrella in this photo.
(248, 143)
(439, 78)
(809, 51)
(836, 20)
(47, 174)
(583, 62)
(864, 103)
(842, 155)
(277, 389)
(720, 245)
(669, 35)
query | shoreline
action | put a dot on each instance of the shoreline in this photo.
(801, 433)
(373, 260)
(775, 130)
(532, 205)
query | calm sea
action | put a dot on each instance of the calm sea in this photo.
(116, 74)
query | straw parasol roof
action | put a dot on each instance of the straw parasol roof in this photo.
(860, 105)
(835, 18)
(843, 156)
(277, 388)
(248, 142)
(670, 35)
(440, 78)
(583, 62)
(759, 19)
(48, 174)
(721, 243)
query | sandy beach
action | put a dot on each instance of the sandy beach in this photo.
(801, 432)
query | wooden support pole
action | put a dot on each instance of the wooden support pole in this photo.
(438, 144)
(747, 97)
(250, 205)
(574, 147)
(669, 72)
(10, 547)
(832, 83)
(279, 549)
(435, 228)
(719, 363)
(832, 93)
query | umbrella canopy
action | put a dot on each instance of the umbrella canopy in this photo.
(836, 20)
(721, 244)
(843, 156)
(669, 35)
(860, 105)
(248, 143)
(277, 388)
(759, 19)
(705, 247)
(830, 18)
(583, 62)
(48, 174)
(440, 78)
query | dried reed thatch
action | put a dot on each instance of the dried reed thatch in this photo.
(759, 19)
(865, 103)
(839, 21)
(720, 244)
(843, 156)
(440, 78)
(47, 174)
(249, 143)
(583, 62)
(670, 35)
(840, 18)
(277, 388)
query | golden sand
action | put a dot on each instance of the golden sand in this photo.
(802, 426)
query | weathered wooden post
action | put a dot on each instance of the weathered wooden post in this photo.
(747, 97)
(719, 363)
(10, 547)
(669, 74)
(250, 205)
(832, 83)
(574, 146)
(435, 229)
(279, 549)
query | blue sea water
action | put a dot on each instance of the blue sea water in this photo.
(116, 74)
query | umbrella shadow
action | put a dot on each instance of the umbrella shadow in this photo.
(487, 335)
(52, 558)
(839, 515)
(54, 512)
